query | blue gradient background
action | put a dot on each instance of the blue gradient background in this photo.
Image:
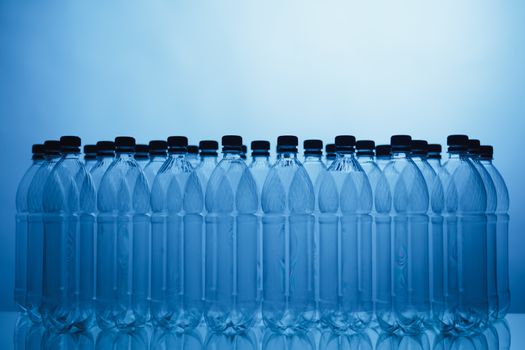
(316, 69)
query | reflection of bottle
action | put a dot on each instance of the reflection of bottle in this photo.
(476, 341)
(166, 339)
(293, 341)
(115, 339)
(288, 261)
(157, 157)
(221, 341)
(337, 341)
(387, 341)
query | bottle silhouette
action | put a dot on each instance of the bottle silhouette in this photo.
(123, 235)
(502, 231)
(402, 203)
(176, 236)
(35, 230)
(259, 168)
(157, 155)
(329, 154)
(383, 156)
(466, 227)
(345, 241)
(193, 155)
(288, 226)
(105, 156)
(490, 189)
(231, 243)
(61, 275)
(90, 157)
(22, 229)
(141, 155)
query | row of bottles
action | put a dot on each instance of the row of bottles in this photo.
(381, 234)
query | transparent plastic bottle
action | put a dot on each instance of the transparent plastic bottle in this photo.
(329, 154)
(466, 224)
(105, 156)
(345, 240)
(502, 231)
(260, 167)
(231, 243)
(288, 254)
(176, 234)
(383, 156)
(316, 170)
(402, 243)
(490, 189)
(141, 155)
(35, 228)
(22, 229)
(157, 155)
(244, 151)
(208, 162)
(61, 275)
(193, 155)
(90, 156)
(123, 236)
(419, 154)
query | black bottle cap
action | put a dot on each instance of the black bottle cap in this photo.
(192, 149)
(141, 151)
(52, 147)
(158, 147)
(365, 147)
(473, 146)
(345, 143)
(90, 149)
(486, 152)
(400, 143)
(244, 149)
(124, 144)
(38, 151)
(209, 147)
(330, 150)
(383, 151)
(231, 143)
(434, 151)
(287, 143)
(177, 144)
(260, 148)
(313, 147)
(70, 144)
(105, 148)
(419, 147)
(457, 143)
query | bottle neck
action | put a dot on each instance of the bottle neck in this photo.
(286, 155)
(231, 155)
(208, 159)
(314, 158)
(71, 156)
(260, 159)
(124, 156)
(399, 155)
(366, 158)
(157, 158)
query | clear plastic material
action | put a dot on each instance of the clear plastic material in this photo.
(152, 168)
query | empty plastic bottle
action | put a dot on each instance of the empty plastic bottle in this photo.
(193, 155)
(157, 155)
(21, 235)
(434, 157)
(35, 234)
(402, 243)
(466, 227)
(502, 231)
(105, 156)
(90, 156)
(244, 150)
(329, 154)
(383, 156)
(176, 235)
(61, 275)
(231, 243)
(260, 167)
(345, 240)
(490, 189)
(288, 202)
(141, 155)
(208, 163)
(123, 236)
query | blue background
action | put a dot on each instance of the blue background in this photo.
(260, 69)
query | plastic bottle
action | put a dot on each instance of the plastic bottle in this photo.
(176, 234)
(231, 243)
(105, 156)
(35, 235)
(288, 244)
(90, 156)
(490, 189)
(61, 275)
(383, 156)
(466, 223)
(345, 240)
(244, 150)
(329, 154)
(259, 168)
(123, 236)
(21, 236)
(141, 155)
(157, 155)
(402, 243)
(502, 231)
(193, 155)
